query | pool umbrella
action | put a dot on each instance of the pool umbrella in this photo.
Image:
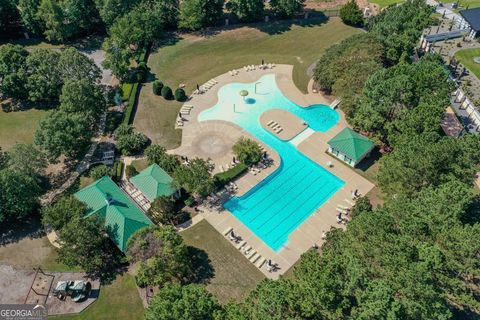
(244, 93)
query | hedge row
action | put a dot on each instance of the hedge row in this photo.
(126, 90)
(117, 170)
(131, 104)
(223, 178)
(133, 94)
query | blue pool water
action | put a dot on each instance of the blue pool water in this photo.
(281, 202)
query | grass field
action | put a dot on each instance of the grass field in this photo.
(466, 58)
(194, 60)
(385, 3)
(232, 276)
(118, 300)
(18, 126)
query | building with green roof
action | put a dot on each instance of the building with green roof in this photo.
(153, 182)
(121, 215)
(350, 146)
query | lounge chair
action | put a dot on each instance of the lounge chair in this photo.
(281, 129)
(241, 244)
(270, 123)
(227, 231)
(260, 262)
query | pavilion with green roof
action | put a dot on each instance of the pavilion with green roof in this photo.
(153, 182)
(121, 215)
(350, 146)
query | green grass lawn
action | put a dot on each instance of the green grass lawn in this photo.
(18, 126)
(385, 3)
(232, 276)
(466, 58)
(194, 60)
(119, 300)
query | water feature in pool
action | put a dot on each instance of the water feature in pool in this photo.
(284, 200)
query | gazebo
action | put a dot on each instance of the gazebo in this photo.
(153, 182)
(350, 147)
(121, 215)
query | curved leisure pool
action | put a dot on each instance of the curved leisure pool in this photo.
(285, 199)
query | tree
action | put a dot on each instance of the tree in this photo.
(12, 71)
(130, 171)
(351, 14)
(248, 10)
(62, 20)
(287, 8)
(157, 87)
(100, 171)
(8, 15)
(84, 243)
(62, 133)
(158, 154)
(3, 159)
(197, 14)
(27, 159)
(84, 98)
(167, 93)
(162, 254)
(128, 141)
(195, 177)
(399, 27)
(404, 171)
(128, 33)
(44, 82)
(110, 10)
(180, 95)
(12, 59)
(28, 12)
(65, 210)
(247, 151)
(18, 195)
(76, 66)
(189, 302)
(163, 210)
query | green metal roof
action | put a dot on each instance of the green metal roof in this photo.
(122, 216)
(351, 144)
(153, 182)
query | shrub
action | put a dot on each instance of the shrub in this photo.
(247, 151)
(167, 92)
(223, 178)
(118, 173)
(180, 95)
(100, 171)
(351, 14)
(126, 90)
(157, 87)
(130, 171)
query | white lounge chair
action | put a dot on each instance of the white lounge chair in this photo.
(227, 231)
(270, 123)
(280, 130)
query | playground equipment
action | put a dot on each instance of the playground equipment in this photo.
(78, 290)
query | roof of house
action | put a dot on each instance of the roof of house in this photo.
(351, 144)
(153, 182)
(472, 16)
(122, 216)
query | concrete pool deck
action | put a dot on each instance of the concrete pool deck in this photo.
(290, 124)
(213, 139)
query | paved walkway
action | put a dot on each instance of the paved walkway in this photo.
(213, 139)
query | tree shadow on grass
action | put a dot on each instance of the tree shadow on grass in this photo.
(281, 26)
(203, 270)
(13, 232)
